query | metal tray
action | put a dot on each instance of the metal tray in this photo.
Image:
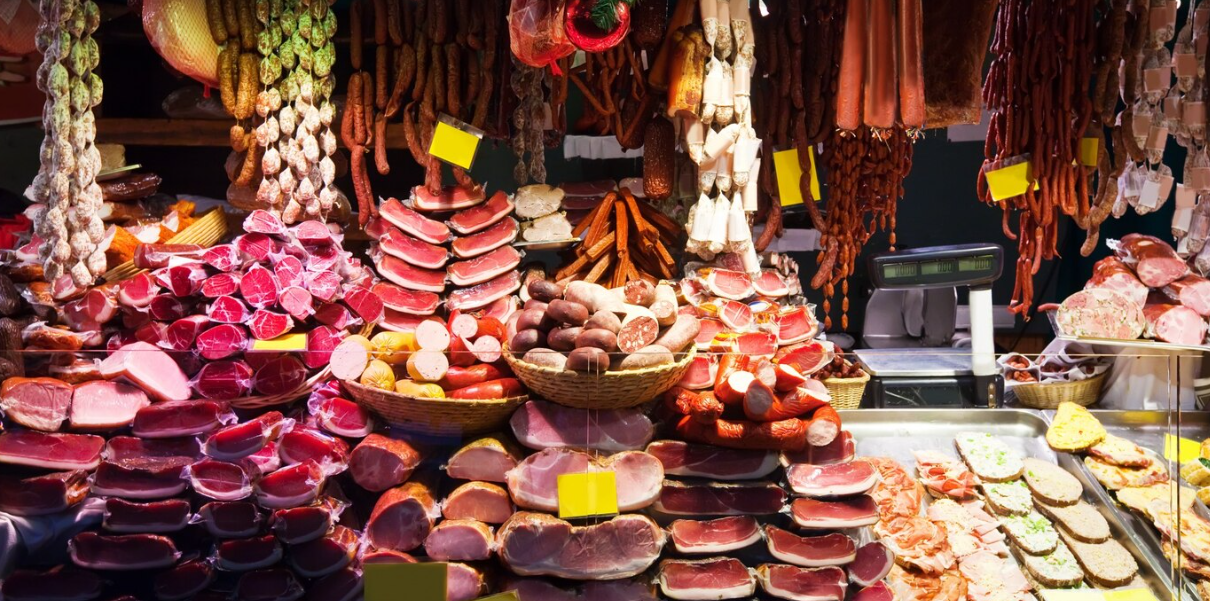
(896, 433)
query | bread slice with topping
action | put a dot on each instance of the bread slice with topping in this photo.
(1107, 564)
(1074, 429)
(1141, 498)
(1051, 483)
(1119, 452)
(1057, 569)
(1008, 498)
(1032, 533)
(1117, 478)
(988, 457)
(1081, 521)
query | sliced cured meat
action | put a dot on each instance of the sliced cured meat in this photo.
(342, 417)
(537, 589)
(122, 553)
(945, 476)
(802, 584)
(835, 480)
(220, 480)
(411, 302)
(42, 494)
(394, 212)
(227, 310)
(290, 486)
(410, 277)
(1111, 273)
(1192, 291)
(736, 316)
(90, 311)
(123, 448)
(481, 217)
(790, 433)
(178, 418)
(541, 425)
(378, 462)
(61, 583)
(364, 303)
(321, 341)
(700, 374)
(488, 459)
(243, 439)
(166, 307)
(301, 524)
(717, 498)
(267, 325)
(770, 285)
(533, 484)
(413, 251)
(50, 451)
(1156, 264)
(484, 267)
(38, 403)
(459, 540)
(1176, 324)
(879, 591)
(264, 222)
(833, 549)
(503, 232)
(449, 198)
(151, 369)
(808, 357)
(796, 325)
(145, 477)
(180, 334)
(183, 581)
(480, 501)
(536, 544)
(840, 450)
(137, 291)
(255, 246)
(230, 519)
(720, 535)
(715, 578)
(734, 285)
(402, 518)
(263, 461)
(852, 512)
(1101, 313)
(716, 463)
(324, 555)
(104, 405)
(156, 517)
(871, 564)
(300, 445)
(220, 285)
(709, 329)
(756, 344)
(274, 584)
(259, 287)
(346, 584)
(484, 294)
(322, 285)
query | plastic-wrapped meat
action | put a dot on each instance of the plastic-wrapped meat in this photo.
(223, 380)
(179, 418)
(838, 479)
(716, 498)
(459, 540)
(264, 222)
(61, 583)
(280, 376)
(137, 291)
(715, 578)
(534, 482)
(1111, 273)
(487, 459)
(122, 553)
(479, 501)
(535, 544)
(325, 555)
(183, 581)
(402, 518)
(151, 369)
(50, 451)
(710, 537)
(345, 584)
(806, 584)
(104, 405)
(275, 584)
(538, 589)
(716, 463)
(42, 494)
(341, 417)
(263, 461)
(230, 519)
(154, 517)
(378, 462)
(542, 425)
(304, 444)
(1192, 291)
(220, 480)
(242, 554)
(301, 524)
(840, 450)
(290, 486)
(144, 477)
(38, 403)
(833, 549)
(1176, 324)
(1156, 264)
(321, 341)
(241, 440)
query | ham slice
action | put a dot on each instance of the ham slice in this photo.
(179, 418)
(155, 517)
(142, 477)
(840, 450)
(838, 479)
(770, 285)
(449, 198)
(459, 540)
(706, 461)
(541, 425)
(412, 223)
(408, 276)
(733, 285)
(243, 439)
(534, 482)
(503, 232)
(402, 518)
(701, 373)
(150, 368)
(484, 267)
(220, 480)
(802, 584)
(720, 535)
(43, 494)
(290, 486)
(38, 403)
(379, 462)
(104, 405)
(122, 553)
(716, 498)
(415, 252)
(536, 544)
(852, 512)
(833, 549)
(716, 578)
(342, 417)
(50, 451)
(484, 294)
(325, 555)
(483, 216)
(871, 564)
(480, 501)
(302, 444)
(488, 459)
(301, 524)
(230, 519)
(411, 302)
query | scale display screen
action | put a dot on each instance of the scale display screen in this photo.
(961, 265)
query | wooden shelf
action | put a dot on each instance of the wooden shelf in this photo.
(190, 132)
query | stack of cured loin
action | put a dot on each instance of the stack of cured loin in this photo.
(1144, 289)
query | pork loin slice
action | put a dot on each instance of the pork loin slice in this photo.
(872, 562)
(154, 517)
(61, 583)
(716, 463)
(230, 519)
(220, 480)
(541, 425)
(50, 451)
(835, 480)
(716, 498)
(402, 518)
(714, 578)
(241, 440)
(710, 537)
(183, 581)
(537, 544)
(378, 462)
(42, 494)
(840, 450)
(802, 584)
(479, 501)
(301, 524)
(147, 477)
(833, 549)
(122, 553)
(459, 540)
(464, 582)
(342, 417)
(179, 418)
(488, 459)
(150, 368)
(303, 444)
(852, 512)
(534, 482)
(290, 486)
(325, 555)
(38, 403)
(242, 554)
(104, 405)
(345, 584)
(274, 584)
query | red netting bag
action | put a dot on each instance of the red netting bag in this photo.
(536, 33)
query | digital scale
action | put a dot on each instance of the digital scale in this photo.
(910, 323)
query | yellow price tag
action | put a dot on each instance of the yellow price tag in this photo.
(789, 176)
(505, 596)
(296, 341)
(453, 145)
(1073, 594)
(410, 581)
(1008, 182)
(1089, 149)
(1131, 594)
(584, 495)
(1181, 450)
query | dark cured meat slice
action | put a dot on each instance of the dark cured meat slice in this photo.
(301, 444)
(402, 518)
(141, 477)
(541, 425)
(324, 555)
(335, 315)
(852, 512)
(182, 280)
(122, 553)
(345, 584)
(715, 498)
(43, 494)
(166, 307)
(230, 519)
(243, 439)
(124, 448)
(802, 584)
(488, 459)
(342, 417)
(242, 554)
(156, 517)
(415, 252)
(721, 535)
(833, 549)
(301, 524)
(412, 302)
(503, 232)
(263, 461)
(872, 563)
(178, 418)
(180, 334)
(275, 584)
(536, 544)
(38, 403)
(219, 285)
(50, 451)
(280, 376)
(484, 294)
(222, 341)
(840, 450)
(484, 267)
(364, 303)
(62, 583)
(413, 223)
(715, 578)
(321, 341)
(473, 220)
(224, 380)
(879, 591)
(378, 462)
(838, 479)
(290, 486)
(220, 480)
(183, 581)
(706, 461)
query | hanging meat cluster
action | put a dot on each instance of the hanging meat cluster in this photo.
(881, 73)
(241, 39)
(530, 85)
(70, 222)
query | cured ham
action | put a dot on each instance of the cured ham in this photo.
(1154, 260)
(537, 589)
(469, 221)
(716, 578)
(833, 549)
(852, 512)
(409, 276)
(541, 425)
(733, 285)
(488, 459)
(50, 451)
(838, 479)
(503, 232)
(42, 494)
(297, 525)
(179, 418)
(719, 535)
(536, 544)
(230, 519)
(449, 198)
(945, 476)
(534, 482)
(840, 450)
(402, 518)
(720, 499)
(415, 252)
(410, 222)
(122, 553)
(459, 540)
(802, 584)
(484, 294)
(871, 564)
(716, 463)
(484, 267)
(480, 501)
(290, 486)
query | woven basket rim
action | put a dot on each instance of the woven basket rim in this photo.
(369, 390)
(569, 374)
(864, 377)
(1070, 383)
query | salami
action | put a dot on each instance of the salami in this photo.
(1156, 264)
(1100, 313)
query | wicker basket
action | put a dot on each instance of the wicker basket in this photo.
(436, 417)
(304, 389)
(206, 231)
(847, 392)
(610, 390)
(1048, 395)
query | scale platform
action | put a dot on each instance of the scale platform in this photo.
(926, 377)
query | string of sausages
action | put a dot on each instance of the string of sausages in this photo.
(240, 37)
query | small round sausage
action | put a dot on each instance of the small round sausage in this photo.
(588, 359)
(545, 357)
(525, 340)
(604, 320)
(597, 338)
(534, 304)
(533, 319)
(568, 312)
(564, 339)
(544, 290)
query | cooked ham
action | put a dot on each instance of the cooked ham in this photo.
(542, 425)
(536, 544)
(534, 482)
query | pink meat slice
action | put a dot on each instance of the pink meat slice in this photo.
(255, 246)
(395, 213)
(802, 584)
(223, 257)
(183, 581)
(42, 494)
(706, 461)
(412, 302)
(61, 583)
(709, 329)
(296, 301)
(835, 480)
(851, 512)
(415, 252)
(700, 374)
(729, 284)
(770, 285)
(879, 591)
(122, 448)
(105, 405)
(343, 417)
(50, 451)
(402, 518)
(715, 578)
(807, 357)
(280, 376)
(325, 555)
(472, 220)
(142, 477)
(178, 418)
(137, 291)
(301, 524)
(243, 439)
(488, 459)
(841, 450)
(224, 380)
(484, 294)
(720, 499)
(322, 284)
(503, 232)
(736, 316)
(1192, 291)
(872, 562)
(541, 425)
(150, 368)
(833, 549)
(154, 517)
(484, 267)
(459, 540)
(180, 334)
(220, 480)
(479, 501)
(1154, 260)
(220, 285)
(797, 325)
(38, 403)
(230, 519)
(756, 344)
(378, 462)
(264, 222)
(1111, 273)
(274, 584)
(241, 554)
(534, 482)
(289, 270)
(536, 544)
(410, 277)
(321, 341)
(300, 445)
(449, 198)
(91, 311)
(464, 582)
(290, 486)
(122, 553)
(227, 310)
(1175, 323)
(709, 537)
